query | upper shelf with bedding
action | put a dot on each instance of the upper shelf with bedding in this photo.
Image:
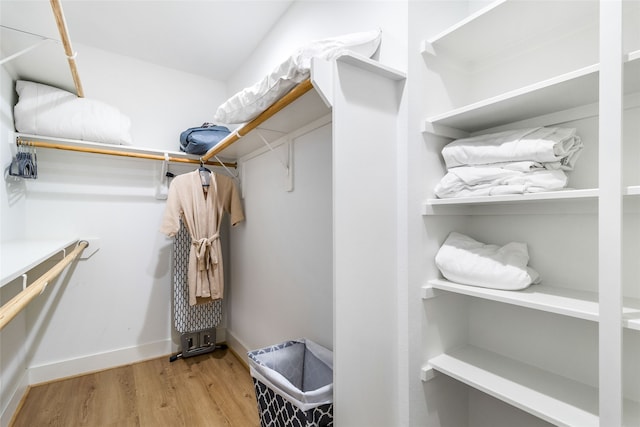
(302, 105)
(284, 101)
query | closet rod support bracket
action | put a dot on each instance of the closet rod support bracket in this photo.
(92, 247)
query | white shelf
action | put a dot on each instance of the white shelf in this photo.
(471, 205)
(301, 112)
(308, 109)
(588, 193)
(468, 41)
(553, 398)
(371, 66)
(632, 190)
(562, 93)
(18, 257)
(552, 299)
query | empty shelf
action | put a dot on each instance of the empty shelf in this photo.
(551, 397)
(552, 299)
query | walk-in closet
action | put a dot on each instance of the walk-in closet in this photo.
(435, 201)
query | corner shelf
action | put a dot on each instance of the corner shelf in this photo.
(553, 398)
(551, 299)
(20, 256)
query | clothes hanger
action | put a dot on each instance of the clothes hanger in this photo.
(205, 174)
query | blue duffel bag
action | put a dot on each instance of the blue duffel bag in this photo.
(200, 139)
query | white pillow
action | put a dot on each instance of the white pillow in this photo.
(251, 101)
(49, 111)
(464, 260)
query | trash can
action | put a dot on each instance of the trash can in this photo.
(294, 384)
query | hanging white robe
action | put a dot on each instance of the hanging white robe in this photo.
(202, 214)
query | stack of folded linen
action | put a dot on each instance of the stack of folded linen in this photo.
(464, 260)
(511, 162)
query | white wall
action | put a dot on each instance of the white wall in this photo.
(311, 20)
(262, 287)
(267, 273)
(12, 225)
(281, 277)
(115, 307)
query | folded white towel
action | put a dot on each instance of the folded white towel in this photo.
(466, 181)
(464, 260)
(553, 147)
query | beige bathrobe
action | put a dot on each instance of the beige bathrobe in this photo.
(202, 213)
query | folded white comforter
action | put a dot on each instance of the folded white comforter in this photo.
(555, 148)
(509, 178)
(464, 260)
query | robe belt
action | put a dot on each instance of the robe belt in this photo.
(205, 254)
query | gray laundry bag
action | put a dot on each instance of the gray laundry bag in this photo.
(294, 384)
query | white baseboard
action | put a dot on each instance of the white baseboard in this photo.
(237, 346)
(98, 362)
(14, 401)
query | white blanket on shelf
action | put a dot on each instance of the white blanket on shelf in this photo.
(555, 148)
(464, 260)
(487, 180)
(248, 103)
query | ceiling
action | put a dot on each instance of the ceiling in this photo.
(211, 38)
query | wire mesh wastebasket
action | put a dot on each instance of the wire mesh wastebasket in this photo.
(294, 384)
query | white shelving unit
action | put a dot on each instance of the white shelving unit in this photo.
(473, 49)
(18, 257)
(552, 299)
(553, 398)
(549, 96)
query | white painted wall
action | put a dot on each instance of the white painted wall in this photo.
(304, 21)
(12, 226)
(311, 20)
(115, 307)
(367, 327)
(281, 277)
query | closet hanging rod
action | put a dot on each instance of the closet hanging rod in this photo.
(66, 42)
(59, 146)
(16, 304)
(295, 93)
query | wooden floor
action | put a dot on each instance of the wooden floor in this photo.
(213, 389)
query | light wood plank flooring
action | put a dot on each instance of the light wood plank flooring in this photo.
(213, 389)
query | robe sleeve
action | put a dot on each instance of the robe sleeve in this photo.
(171, 220)
(233, 204)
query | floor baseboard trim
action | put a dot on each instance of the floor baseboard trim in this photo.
(99, 362)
